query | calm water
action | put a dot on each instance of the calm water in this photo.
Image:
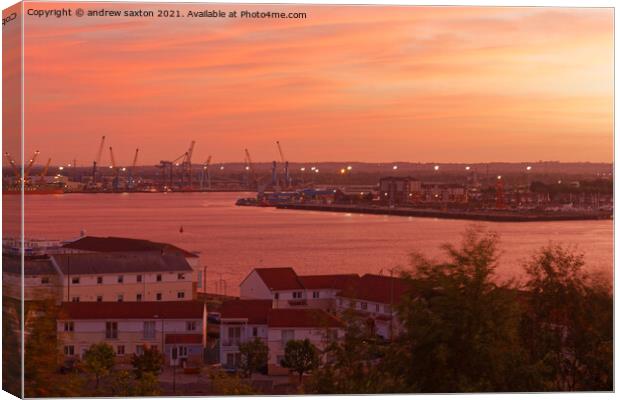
(232, 240)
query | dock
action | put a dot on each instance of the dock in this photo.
(475, 215)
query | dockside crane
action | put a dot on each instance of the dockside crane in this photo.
(45, 169)
(11, 161)
(115, 181)
(30, 164)
(287, 178)
(130, 181)
(206, 174)
(97, 159)
(187, 163)
(250, 168)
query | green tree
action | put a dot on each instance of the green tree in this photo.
(569, 324)
(300, 356)
(254, 356)
(460, 327)
(352, 362)
(150, 361)
(147, 385)
(42, 355)
(99, 360)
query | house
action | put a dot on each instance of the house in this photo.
(243, 320)
(124, 276)
(112, 244)
(373, 298)
(173, 327)
(287, 289)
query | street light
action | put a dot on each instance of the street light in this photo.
(349, 168)
(467, 168)
(61, 168)
(343, 171)
(436, 167)
(528, 168)
(395, 167)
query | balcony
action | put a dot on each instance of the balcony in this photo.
(231, 342)
(297, 303)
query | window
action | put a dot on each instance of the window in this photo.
(75, 280)
(99, 280)
(138, 278)
(120, 350)
(190, 325)
(254, 331)
(119, 298)
(158, 296)
(45, 280)
(315, 295)
(276, 295)
(69, 326)
(99, 298)
(233, 359)
(279, 359)
(158, 277)
(139, 350)
(297, 295)
(111, 330)
(234, 335)
(182, 351)
(377, 307)
(287, 335)
(75, 299)
(364, 306)
(180, 295)
(149, 329)
(69, 350)
(180, 276)
(139, 297)
(119, 279)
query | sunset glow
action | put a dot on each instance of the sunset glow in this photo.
(352, 84)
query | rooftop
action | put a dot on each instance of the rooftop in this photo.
(254, 310)
(301, 318)
(328, 281)
(120, 244)
(279, 278)
(121, 262)
(33, 266)
(133, 310)
(376, 288)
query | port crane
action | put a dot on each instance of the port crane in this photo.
(130, 181)
(97, 159)
(287, 178)
(11, 161)
(252, 180)
(115, 180)
(30, 164)
(184, 161)
(44, 171)
(206, 174)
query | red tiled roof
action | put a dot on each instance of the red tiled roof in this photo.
(301, 318)
(133, 310)
(279, 278)
(113, 244)
(254, 310)
(328, 281)
(183, 338)
(376, 288)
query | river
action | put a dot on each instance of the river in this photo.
(232, 240)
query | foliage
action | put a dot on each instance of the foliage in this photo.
(124, 384)
(228, 385)
(460, 326)
(254, 356)
(42, 356)
(300, 356)
(150, 361)
(569, 328)
(99, 360)
(11, 347)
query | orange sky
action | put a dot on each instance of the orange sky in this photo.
(347, 83)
